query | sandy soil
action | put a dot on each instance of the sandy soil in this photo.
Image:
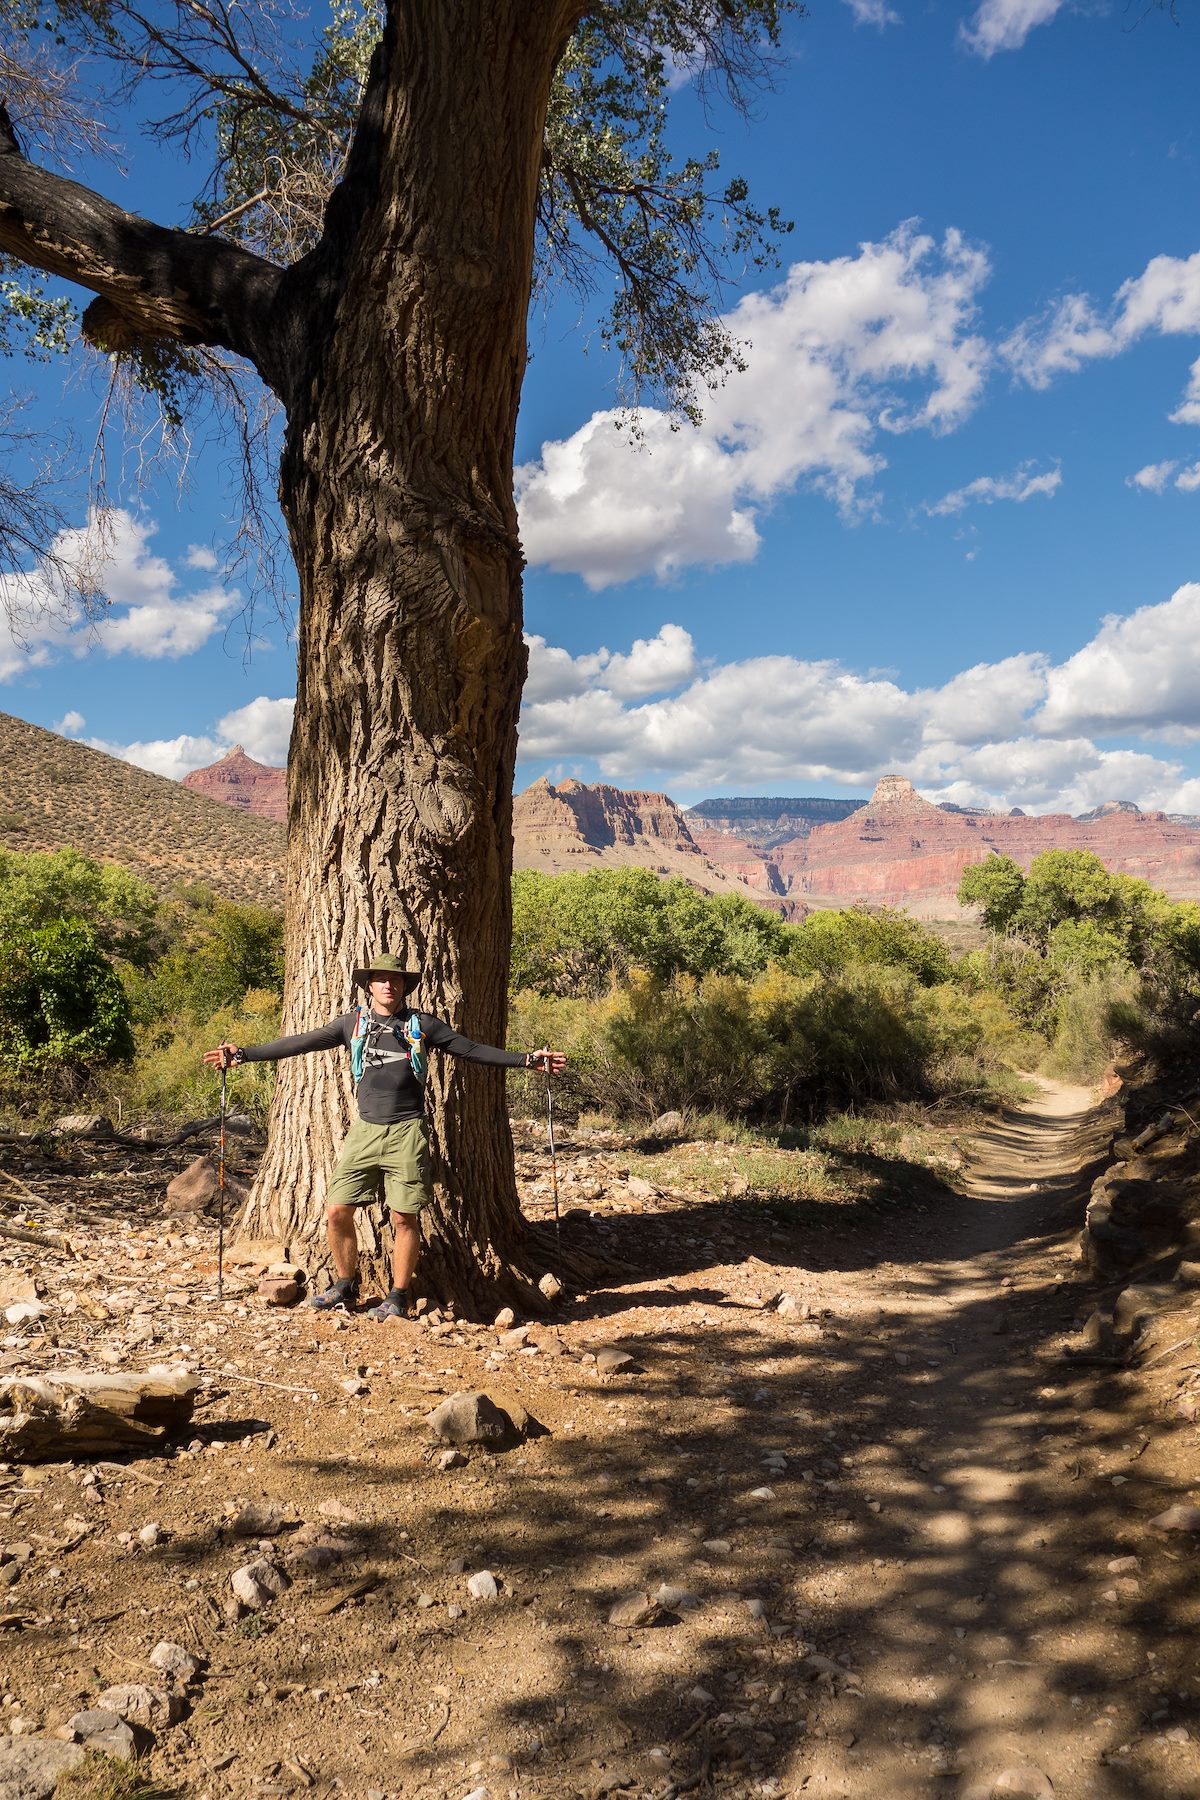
(895, 1520)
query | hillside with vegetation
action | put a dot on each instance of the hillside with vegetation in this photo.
(57, 794)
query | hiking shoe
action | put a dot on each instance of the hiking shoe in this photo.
(394, 1307)
(343, 1292)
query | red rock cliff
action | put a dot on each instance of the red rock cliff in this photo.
(240, 781)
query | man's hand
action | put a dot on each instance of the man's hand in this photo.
(551, 1062)
(225, 1056)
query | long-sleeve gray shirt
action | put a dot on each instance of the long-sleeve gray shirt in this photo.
(389, 1091)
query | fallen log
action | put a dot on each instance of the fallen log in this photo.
(79, 1413)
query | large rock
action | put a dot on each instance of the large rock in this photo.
(32, 1767)
(473, 1418)
(198, 1189)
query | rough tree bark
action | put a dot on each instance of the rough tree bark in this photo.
(398, 349)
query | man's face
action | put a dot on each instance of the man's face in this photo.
(387, 992)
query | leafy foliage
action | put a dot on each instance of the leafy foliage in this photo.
(63, 1009)
(268, 111)
(122, 912)
(575, 934)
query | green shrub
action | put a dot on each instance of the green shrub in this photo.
(574, 934)
(44, 886)
(827, 943)
(170, 1080)
(63, 1010)
(1094, 1019)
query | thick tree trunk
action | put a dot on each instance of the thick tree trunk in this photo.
(397, 486)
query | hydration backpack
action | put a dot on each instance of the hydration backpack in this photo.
(412, 1035)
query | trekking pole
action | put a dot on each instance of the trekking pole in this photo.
(553, 1162)
(221, 1191)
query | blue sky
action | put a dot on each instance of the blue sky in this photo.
(945, 524)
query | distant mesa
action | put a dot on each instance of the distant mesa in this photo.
(579, 826)
(239, 781)
(793, 853)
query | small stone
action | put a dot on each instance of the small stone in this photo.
(337, 1509)
(1123, 1565)
(761, 1493)
(424, 1601)
(173, 1659)
(258, 1583)
(514, 1339)
(667, 1125)
(610, 1362)
(482, 1585)
(139, 1705)
(789, 1307)
(700, 1696)
(278, 1290)
(95, 1718)
(25, 1312)
(122, 1742)
(150, 1534)
(454, 1610)
(717, 1546)
(504, 1318)
(1026, 1782)
(261, 1520)
(632, 1610)
(640, 1188)
(676, 1599)
(1177, 1518)
(452, 1459)
(353, 1386)
(550, 1287)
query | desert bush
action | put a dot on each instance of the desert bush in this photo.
(63, 1009)
(169, 1079)
(1095, 1018)
(41, 887)
(827, 943)
(574, 934)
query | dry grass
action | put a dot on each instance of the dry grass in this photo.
(100, 1778)
(56, 794)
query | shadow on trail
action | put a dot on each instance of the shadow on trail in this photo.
(898, 1532)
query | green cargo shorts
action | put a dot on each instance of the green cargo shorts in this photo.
(398, 1153)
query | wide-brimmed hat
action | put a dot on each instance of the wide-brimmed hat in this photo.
(387, 964)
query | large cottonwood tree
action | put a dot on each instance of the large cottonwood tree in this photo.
(366, 245)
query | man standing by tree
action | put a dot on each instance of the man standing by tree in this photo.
(388, 1140)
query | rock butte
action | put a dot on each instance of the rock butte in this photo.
(240, 781)
(793, 855)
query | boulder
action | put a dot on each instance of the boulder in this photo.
(198, 1188)
(473, 1418)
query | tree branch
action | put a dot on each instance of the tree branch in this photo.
(152, 282)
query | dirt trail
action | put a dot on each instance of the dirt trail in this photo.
(993, 1628)
(895, 1520)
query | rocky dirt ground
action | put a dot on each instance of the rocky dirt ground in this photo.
(896, 1540)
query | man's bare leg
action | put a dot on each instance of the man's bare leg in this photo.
(406, 1247)
(343, 1243)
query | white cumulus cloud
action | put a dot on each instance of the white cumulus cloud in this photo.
(840, 355)
(1188, 410)
(263, 728)
(70, 723)
(1005, 24)
(141, 610)
(1188, 480)
(873, 12)
(1021, 485)
(1017, 732)
(1153, 478)
(171, 757)
(1164, 300)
